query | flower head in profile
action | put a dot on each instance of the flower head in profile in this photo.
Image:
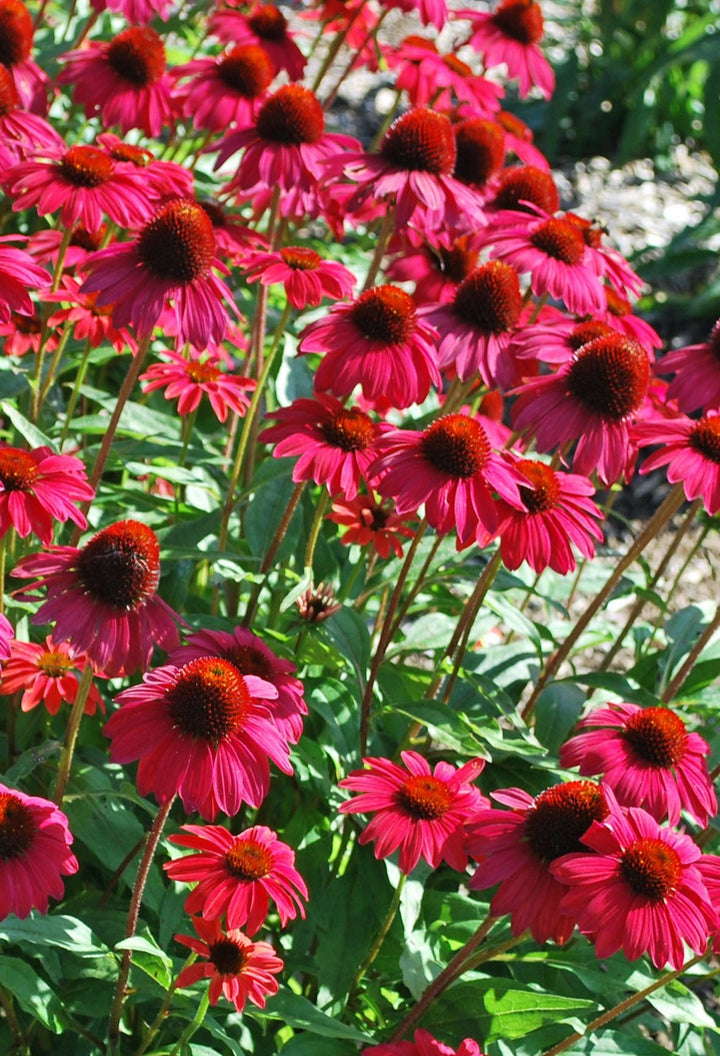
(25, 333)
(264, 26)
(224, 90)
(696, 384)
(103, 596)
(480, 146)
(510, 35)
(39, 488)
(636, 886)
(18, 275)
(648, 758)
(238, 876)
(202, 731)
(34, 853)
(306, 277)
(16, 37)
(47, 674)
(418, 810)
(431, 78)
(189, 379)
(238, 969)
(423, 1044)
(524, 189)
(690, 450)
(318, 603)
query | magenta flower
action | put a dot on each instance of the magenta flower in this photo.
(619, 314)
(423, 1044)
(418, 810)
(16, 30)
(517, 848)
(306, 277)
(480, 145)
(451, 468)
(46, 674)
(224, 90)
(18, 274)
(90, 323)
(437, 271)
(251, 656)
(265, 26)
(123, 80)
(511, 35)
(188, 380)
(558, 512)
(202, 731)
(696, 384)
(103, 598)
(161, 180)
(35, 842)
(372, 524)
(379, 343)
(638, 888)
(525, 189)
(648, 758)
(430, 11)
(7, 636)
(39, 487)
(431, 78)
(691, 452)
(238, 876)
(21, 131)
(238, 969)
(171, 259)
(138, 11)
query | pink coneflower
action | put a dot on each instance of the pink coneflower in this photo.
(554, 336)
(82, 182)
(606, 262)
(639, 889)
(16, 40)
(306, 277)
(516, 848)
(591, 399)
(619, 314)
(46, 674)
(233, 239)
(38, 488)
(188, 380)
(417, 809)
(480, 145)
(559, 512)
(451, 468)
(648, 758)
(238, 969)
(437, 271)
(34, 852)
(336, 444)
(372, 524)
(90, 323)
(24, 333)
(171, 259)
(160, 179)
(18, 275)
(45, 245)
(553, 251)
(414, 169)
(510, 35)
(433, 12)
(138, 11)
(429, 77)
(123, 80)
(226, 89)
(21, 132)
(424, 1044)
(696, 384)
(265, 26)
(238, 876)
(525, 189)
(285, 149)
(203, 731)
(102, 596)
(475, 327)
(691, 452)
(251, 656)
(519, 140)
(376, 342)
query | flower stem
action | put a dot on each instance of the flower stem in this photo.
(75, 394)
(272, 550)
(386, 230)
(458, 643)
(71, 732)
(157, 1023)
(195, 1025)
(315, 529)
(381, 935)
(673, 687)
(337, 43)
(132, 919)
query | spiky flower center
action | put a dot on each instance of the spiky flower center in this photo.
(248, 860)
(120, 566)
(9, 99)
(384, 313)
(134, 155)
(609, 376)
(292, 115)
(421, 141)
(585, 332)
(520, 19)
(424, 797)
(480, 150)
(458, 260)
(350, 430)
(85, 166)
(591, 231)
(178, 245)
(17, 827)
(209, 701)
(227, 956)
(560, 240)
(30, 325)
(268, 23)
(651, 868)
(202, 373)
(301, 259)
(657, 735)
(54, 664)
(544, 492)
(617, 305)
(705, 438)
(16, 32)
(512, 124)
(84, 239)
(18, 470)
(561, 815)
(456, 445)
(526, 183)
(246, 69)
(249, 660)
(137, 55)
(490, 298)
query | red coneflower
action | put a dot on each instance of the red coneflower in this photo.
(306, 277)
(510, 35)
(264, 26)
(16, 41)
(189, 379)
(226, 89)
(429, 77)
(46, 674)
(424, 1044)
(38, 488)
(18, 275)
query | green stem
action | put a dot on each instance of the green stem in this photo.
(673, 687)
(195, 1025)
(386, 230)
(71, 733)
(381, 935)
(75, 394)
(315, 530)
(337, 43)
(272, 550)
(157, 1023)
(50, 376)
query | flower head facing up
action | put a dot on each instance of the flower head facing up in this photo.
(371, 523)
(265, 26)
(238, 876)
(690, 450)
(307, 278)
(224, 90)
(188, 380)
(648, 758)
(480, 147)
(103, 598)
(46, 674)
(517, 848)
(34, 853)
(39, 487)
(418, 810)
(696, 384)
(238, 969)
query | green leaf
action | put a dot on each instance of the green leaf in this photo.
(348, 633)
(301, 1014)
(558, 709)
(32, 993)
(265, 513)
(29, 760)
(680, 1005)
(67, 933)
(34, 436)
(149, 958)
(312, 1045)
